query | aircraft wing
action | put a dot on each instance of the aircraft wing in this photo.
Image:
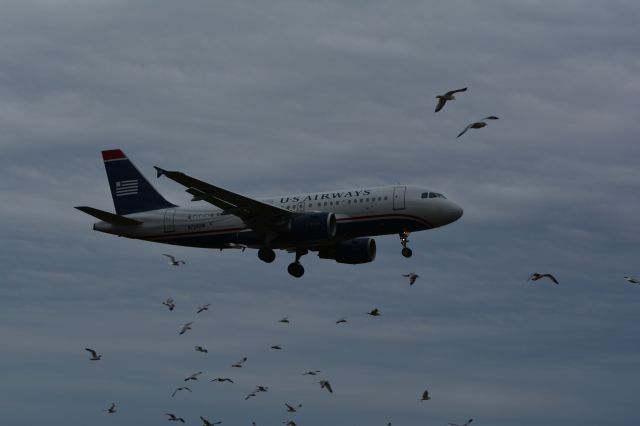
(253, 212)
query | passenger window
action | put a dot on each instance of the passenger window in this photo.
(330, 203)
(310, 204)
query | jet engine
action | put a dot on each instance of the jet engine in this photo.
(353, 252)
(313, 227)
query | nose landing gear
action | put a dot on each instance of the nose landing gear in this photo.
(295, 268)
(404, 239)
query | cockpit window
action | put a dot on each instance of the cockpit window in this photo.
(432, 195)
(425, 195)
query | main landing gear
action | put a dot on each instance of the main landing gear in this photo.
(404, 239)
(266, 254)
(295, 268)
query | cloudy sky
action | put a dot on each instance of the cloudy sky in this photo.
(270, 98)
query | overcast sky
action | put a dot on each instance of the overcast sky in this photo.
(269, 98)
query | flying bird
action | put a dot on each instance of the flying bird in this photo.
(536, 276)
(186, 327)
(180, 389)
(169, 304)
(194, 376)
(206, 422)
(412, 277)
(425, 396)
(311, 373)
(174, 418)
(632, 280)
(284, 320)
(324, 384)
(276, 347)
(111, 409)
(238, 364)
(466, 424)
(374, 312)
(173, 261)
(221, 379)
(442, 99)
(94, 354)
(477, 125)
(251, 395)
(201, 349)
(289, 423)
(261, 388)
(203, 308)
(292, 409)
(341, 321)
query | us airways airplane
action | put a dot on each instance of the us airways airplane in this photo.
(337, 225)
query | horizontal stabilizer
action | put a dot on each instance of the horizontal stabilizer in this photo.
(111, 218)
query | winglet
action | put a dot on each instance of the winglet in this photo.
(159, 171)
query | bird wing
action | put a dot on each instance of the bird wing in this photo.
(92, 351)
(441, 102)
(205, 421)
(173, 259)
(552, 278)
(491, 117)
(465, 130)
(468, 422)
(451, 92)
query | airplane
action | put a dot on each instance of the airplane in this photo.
(338, 225)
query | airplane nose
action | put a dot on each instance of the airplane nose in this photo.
(455, 212)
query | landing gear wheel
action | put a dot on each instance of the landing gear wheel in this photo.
(296, 269)
(407, 252)
(266, 255)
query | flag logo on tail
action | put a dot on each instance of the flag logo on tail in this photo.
(126, 187)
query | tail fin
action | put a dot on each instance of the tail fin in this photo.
(131, 192)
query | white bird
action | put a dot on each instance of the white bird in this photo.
(174, 418)
(169, 304)
(425, 396)
(94, 354)
(632, 280)
(186, 327)
(111, 409)
(194, 376)
(324, 384)
(536, 276)
(206, 422)
(477, 125)
(203, 308)
(180, 389)
(466, 424)
(442, 99)
(292, 409)
(412, 277)
(173, 260)
(201, 349)
(238, 364)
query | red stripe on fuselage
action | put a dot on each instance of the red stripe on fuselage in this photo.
(225, 230)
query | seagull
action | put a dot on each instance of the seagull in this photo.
(632, 280)
(536, 276)
(94, 354)
(374, 312)
(289, 423)
(442, 99)
(466, 424)
(412, 277)
(194, 376)
(201, 349)
(284, 320)
(261, 388)
(111, 409)
(477, 125)
(325, 384)
(252, 394)
(180, 389)
(173, 418)
(203, 308)
(186, 327)
(173, 260)
(206, 422)
(291, 409)
(425, 396)
(276, 347)
(169, 304)
(238, 364)
(311, 373)
(221, 379)
(341, 321)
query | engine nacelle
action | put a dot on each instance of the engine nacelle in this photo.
(313, 227)
(353, 252)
